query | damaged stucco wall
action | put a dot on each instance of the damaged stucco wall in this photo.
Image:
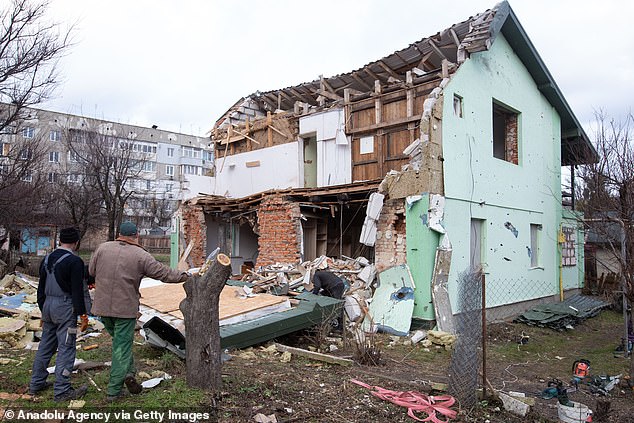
(508, 198)
(334, 159)
(244, 174)
(280, 231)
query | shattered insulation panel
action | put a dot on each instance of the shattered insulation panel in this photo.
(393, 302)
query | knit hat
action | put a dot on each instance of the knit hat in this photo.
(68, 236)
(127, 229)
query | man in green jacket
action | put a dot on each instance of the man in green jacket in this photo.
(118, 267)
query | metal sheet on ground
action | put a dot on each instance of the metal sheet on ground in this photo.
(393, 302)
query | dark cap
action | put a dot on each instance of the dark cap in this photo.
(127, 229)
(68, 236)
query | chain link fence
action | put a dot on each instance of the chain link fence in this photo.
(484, 302)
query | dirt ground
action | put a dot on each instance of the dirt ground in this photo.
(259, 381)
(303, 390)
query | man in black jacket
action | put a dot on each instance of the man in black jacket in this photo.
(328, 284)
(60, 296)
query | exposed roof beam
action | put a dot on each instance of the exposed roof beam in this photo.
(372, 74)
(304, 98)
(397, 54)
(433, 45)
(329, 95)
(361, 81)
(389, 70)
(423, 62)
(456, 40)
(325, 84)
(287, 97)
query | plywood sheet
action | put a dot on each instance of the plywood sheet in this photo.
(167, 297)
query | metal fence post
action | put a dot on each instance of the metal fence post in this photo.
(484, 338)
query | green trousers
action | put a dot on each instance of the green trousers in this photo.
(122, 332)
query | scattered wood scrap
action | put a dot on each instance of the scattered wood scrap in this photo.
(314, 355)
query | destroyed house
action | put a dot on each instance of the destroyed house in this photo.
(457, 140)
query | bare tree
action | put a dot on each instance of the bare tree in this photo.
(607, 195)
(110, 168)
(30, 48)
(160, 210)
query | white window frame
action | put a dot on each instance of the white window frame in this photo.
(55, 135)
(169, 170)
(28, 132)
(53, 156)
(170, 151)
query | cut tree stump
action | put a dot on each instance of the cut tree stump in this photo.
(200, 309)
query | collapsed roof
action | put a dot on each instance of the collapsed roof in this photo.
(424, 60)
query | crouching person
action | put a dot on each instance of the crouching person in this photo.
(60, 297)
(118, 267)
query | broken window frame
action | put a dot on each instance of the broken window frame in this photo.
(505, 143)
(535, 246)
(457, 106)
(477, 243)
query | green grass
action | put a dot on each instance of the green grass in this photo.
(172, 393)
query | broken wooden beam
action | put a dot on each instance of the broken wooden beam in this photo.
(315, 355)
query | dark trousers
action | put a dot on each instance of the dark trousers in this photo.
(59, 334)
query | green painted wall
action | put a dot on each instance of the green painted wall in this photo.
(421, 251)
(480, 186)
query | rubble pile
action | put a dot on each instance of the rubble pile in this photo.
(19, 314)
(358, 273)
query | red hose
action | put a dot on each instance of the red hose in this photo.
(415, 402)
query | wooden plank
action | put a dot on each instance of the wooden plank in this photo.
(269, 134)
(315, 355)
(182, 263)
(390, 71)
(360, 81)
(433, 45)
(255, 163)
(359, 130)
(166, 298)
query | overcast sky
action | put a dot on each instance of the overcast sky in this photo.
(181, 64)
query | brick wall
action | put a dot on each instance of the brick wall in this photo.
(512, 151)
(195, 231)
(390, 247)
(279, 224)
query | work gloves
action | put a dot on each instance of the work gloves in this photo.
(83, 323)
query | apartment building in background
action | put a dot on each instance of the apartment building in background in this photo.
(174, 166)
